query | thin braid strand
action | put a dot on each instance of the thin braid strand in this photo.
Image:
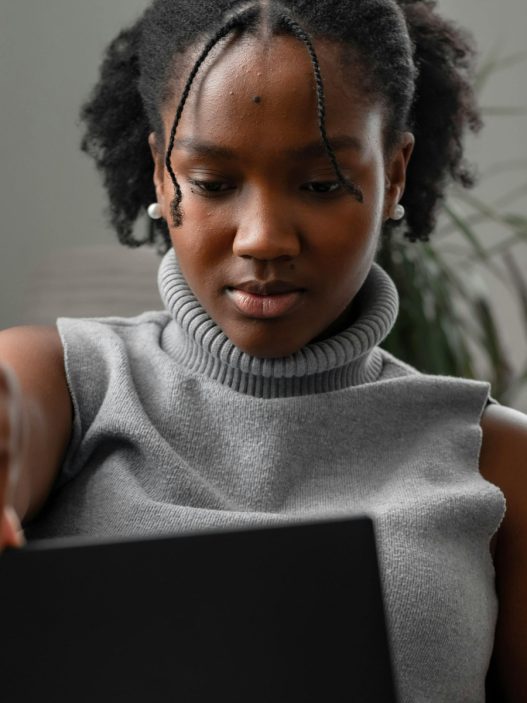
(321, 104)
(236, 21)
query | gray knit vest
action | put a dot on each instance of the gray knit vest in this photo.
(176, 430)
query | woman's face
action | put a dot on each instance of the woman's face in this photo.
(271, 245)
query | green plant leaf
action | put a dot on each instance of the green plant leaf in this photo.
(446, 323)
(465, 229)
(492, 346)
(519, 282)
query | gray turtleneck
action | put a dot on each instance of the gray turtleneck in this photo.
(176, 430)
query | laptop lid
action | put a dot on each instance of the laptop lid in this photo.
(289, 613)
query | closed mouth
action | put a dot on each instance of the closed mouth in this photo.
(265, 304)
(266, 288)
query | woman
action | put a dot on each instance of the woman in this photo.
(276, 146)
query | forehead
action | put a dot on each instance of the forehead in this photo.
(264, 89)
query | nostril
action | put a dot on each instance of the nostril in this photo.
(266, 245)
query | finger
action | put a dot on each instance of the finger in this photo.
(5, 454)
(4, 472)
(11, 533)
(10, 431)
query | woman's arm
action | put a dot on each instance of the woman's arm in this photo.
(35, 412)
(504, 463)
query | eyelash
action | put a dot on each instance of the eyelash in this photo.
(202, 185)
(325, 183)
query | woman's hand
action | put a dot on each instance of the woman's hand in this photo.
(11, 448)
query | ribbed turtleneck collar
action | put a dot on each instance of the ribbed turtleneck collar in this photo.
(348, 359)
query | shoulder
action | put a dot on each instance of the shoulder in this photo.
(105, 352)
(120, 326)
(504, 448)
(104, 335)
(392, 367)
(36, 355)
(35, 346)
(504, 463)
(46, 334)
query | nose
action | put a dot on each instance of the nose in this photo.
(266, 231)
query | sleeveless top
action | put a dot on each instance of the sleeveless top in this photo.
(176, 430)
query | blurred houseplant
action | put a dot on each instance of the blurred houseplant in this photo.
(447, 324)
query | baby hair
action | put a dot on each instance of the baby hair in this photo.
(417, 64)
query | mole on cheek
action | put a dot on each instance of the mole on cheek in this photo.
(257, 99)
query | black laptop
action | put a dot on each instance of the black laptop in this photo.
(288, 614)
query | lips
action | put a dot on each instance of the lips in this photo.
(265, 300)
(266, 288)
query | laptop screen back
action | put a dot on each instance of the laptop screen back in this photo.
(264, 615)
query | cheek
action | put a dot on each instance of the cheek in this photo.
(348, 235)
(192, 248)
(351, 220)
(190, 238)
(201, 253)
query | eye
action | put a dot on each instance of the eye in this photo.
(334, 188)
(323, 187)
(211, 187)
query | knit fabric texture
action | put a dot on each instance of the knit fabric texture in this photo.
(176, 430)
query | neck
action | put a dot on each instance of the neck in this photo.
(346, 356)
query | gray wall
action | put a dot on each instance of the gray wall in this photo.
(50, 196)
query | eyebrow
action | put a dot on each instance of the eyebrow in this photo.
(309, 151)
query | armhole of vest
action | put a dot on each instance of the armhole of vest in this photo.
(66, 472)
(501, 509)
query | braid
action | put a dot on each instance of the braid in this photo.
(237, 20)
(242, 20)
(421, 66)
(417, 64)
(298, 32)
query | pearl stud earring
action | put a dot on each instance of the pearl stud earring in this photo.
(154, 211)
(398, 212)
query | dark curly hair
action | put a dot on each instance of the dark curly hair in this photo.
(417, 63)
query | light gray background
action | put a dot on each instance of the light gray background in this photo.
(50, 195)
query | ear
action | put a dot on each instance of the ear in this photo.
(159, 168)
(396, 173)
